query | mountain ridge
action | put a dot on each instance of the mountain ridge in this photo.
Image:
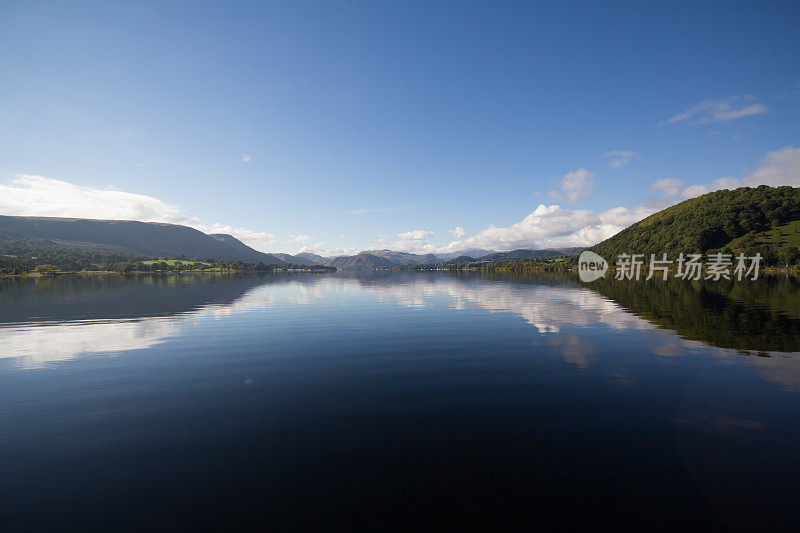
(134, 238)
(165, 240)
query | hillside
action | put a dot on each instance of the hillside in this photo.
(404, 258)
(762, 219)
(248, 254)
(123, 238)
(293, 259)
(364, 260)
(372, 259)
(520, 254)
(313, 259)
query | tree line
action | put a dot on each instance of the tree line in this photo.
(18, 260)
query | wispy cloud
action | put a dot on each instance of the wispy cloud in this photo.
(720, 110)
(621, 157)
(575, 185)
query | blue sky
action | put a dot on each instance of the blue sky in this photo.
(341, 126)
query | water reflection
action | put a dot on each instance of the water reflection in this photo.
(35, 345)
(547, 307)
(43, 321)
(314, 392)
(52, 320)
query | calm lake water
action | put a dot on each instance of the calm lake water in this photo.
(375, 400)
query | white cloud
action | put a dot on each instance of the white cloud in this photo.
(28, 195)
(246, 158)
(668, 186)
(37, 196)
(621, 158)
(321, 248)
(575, 185)
(417, 235)
(553, 226)
(693, 191)
(781, 167)
(625, 216)
(720, 110)
(458, 232)
(247, 236)
(727, 182)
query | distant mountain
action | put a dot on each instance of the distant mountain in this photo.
(474, 252)
(460, 259)
(304, 258)
(292, 259)
(125, 237)
(575, 250)
(404, 258)
(762, 219)
(244, 251)
(520, 254)
(364, 260)
(313, 258)
(371, 259)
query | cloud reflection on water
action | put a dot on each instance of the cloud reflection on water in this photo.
(552, 309)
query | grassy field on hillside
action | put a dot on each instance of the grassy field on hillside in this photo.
(786, 235)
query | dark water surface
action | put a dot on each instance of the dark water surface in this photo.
(392, 400)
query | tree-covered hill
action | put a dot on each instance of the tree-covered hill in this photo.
(749, 220)
(521, 254)
(27, 236)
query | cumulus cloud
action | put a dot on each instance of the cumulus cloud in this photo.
(720, 110)
(28, 195)
(668, 186)
(416, 235)
(247, 236)
(553, 226)
(457, 232)
(575, 185)
(781, 167)
(621, 158)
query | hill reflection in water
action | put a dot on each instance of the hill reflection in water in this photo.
(49, 320)
(194, 394)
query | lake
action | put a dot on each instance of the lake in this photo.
(378, 400)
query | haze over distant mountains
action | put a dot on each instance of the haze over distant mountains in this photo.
(160, 240)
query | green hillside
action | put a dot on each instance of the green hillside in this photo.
(762, 219)
(48, 236)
